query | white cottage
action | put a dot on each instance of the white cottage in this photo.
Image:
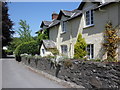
(47, 44)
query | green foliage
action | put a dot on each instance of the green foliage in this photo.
(7, 25)
(9, 52)
(27, 47)
(111, 41)
(14, 43)
(96, 60)
(80, 47)
(25, 36)
(110, 59)
(37, 57)
(24, 31)
(50, 57)
(54, 51)
(42, 36)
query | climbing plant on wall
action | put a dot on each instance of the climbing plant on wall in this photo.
(111, 41)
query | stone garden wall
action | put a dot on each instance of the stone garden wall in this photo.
(89, 74)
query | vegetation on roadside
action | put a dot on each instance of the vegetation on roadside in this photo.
(54, 51)
(24, 33)
(30, 47)
(6, 29)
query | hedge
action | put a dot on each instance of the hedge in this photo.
(30, 47)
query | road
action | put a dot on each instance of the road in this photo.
(16, 75)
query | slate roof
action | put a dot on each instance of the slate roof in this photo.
(54, 22)
(78, 12)
(71, 14)
(96, 1)
(67, 13)
(49, 44)
(102, 5)
(75, 13)
(46, 23)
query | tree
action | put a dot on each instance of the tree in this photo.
(25, 36)
(80, 47)
(14, 43)
(43, 35)
(7, 24)
(111, 41)
(24, 31)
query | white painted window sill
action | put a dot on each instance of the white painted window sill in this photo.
(88, 26)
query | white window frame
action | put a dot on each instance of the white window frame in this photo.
(90, 18)
(64, 49)
(91, 51)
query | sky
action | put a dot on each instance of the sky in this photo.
(35, 12)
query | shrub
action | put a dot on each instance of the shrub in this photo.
(9, 52)
(111, 41)
(27, 47)
(80, 47)
(54, 51)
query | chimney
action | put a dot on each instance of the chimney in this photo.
(54, 16)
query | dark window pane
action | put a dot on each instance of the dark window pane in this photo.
(92, 17)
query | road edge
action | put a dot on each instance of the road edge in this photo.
(53, 78)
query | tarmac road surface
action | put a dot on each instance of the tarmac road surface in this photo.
(16, 75)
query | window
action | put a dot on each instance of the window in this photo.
(64, 49)
(90, 50)
(43, 51)
(89, 18)
(64, 27)
(92, 17)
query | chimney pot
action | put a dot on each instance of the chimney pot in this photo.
(54, 16)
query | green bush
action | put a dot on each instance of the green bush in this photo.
(9, 52)
(80, 47)
(30, 47)
(54, 51)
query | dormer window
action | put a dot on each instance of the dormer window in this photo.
(89, 18)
